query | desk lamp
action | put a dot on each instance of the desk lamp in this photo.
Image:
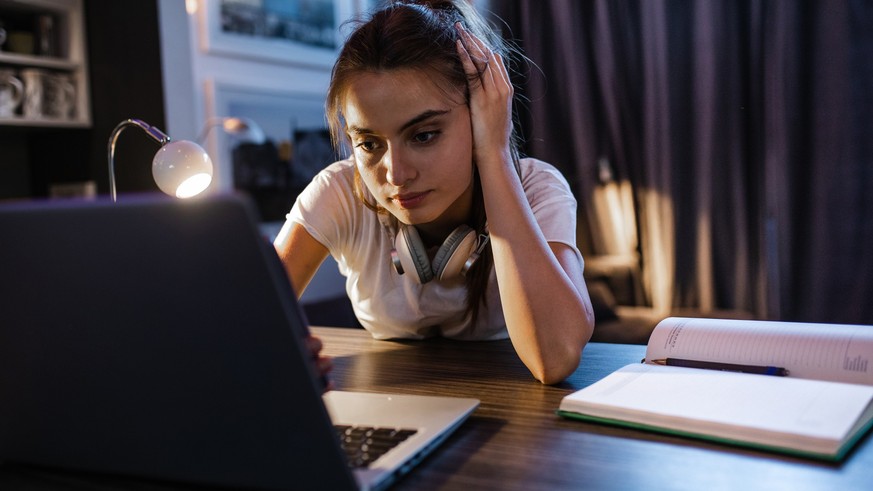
(180, 168)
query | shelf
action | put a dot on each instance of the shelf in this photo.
(32, 5)
(38, 61)
(44, 123)
(64, 55)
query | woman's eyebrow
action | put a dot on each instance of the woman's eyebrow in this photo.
(430, 113)
(424, 116)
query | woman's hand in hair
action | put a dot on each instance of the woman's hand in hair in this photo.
(491, 95)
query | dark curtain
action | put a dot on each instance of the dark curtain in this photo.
(727, 145)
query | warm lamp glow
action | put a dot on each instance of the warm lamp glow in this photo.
(193, 186)
(180, 168)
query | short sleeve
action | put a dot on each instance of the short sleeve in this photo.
(551, 201)
(326, 205)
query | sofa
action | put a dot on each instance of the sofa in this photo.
(615, 288)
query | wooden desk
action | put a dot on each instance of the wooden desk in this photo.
(514, 440)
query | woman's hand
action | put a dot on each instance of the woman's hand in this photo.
(490, 98)
(323, 364)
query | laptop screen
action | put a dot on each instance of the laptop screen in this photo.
(158, 338)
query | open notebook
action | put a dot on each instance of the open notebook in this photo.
(160, 338)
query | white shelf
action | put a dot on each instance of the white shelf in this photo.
(71, 56)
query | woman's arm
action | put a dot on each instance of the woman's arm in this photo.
(545, 301)
(300, 253)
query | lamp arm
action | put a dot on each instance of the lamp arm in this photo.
(156, 134)
(208, 125)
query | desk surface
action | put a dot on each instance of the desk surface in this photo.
(514, 440)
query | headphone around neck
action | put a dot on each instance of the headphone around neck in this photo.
(455, 256)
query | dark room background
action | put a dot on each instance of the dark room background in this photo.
(124, 60)
(724, 148)
(725, 145)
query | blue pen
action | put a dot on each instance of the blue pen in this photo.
(728, 367)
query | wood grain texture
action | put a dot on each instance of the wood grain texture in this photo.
(515, 441)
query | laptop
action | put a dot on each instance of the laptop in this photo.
(160, 338)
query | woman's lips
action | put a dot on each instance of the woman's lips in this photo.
(410, 200)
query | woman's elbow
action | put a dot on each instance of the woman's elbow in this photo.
(556, 368)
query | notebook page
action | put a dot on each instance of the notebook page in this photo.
(836, 352)
(807, 415)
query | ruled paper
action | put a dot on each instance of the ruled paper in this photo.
(836, 352)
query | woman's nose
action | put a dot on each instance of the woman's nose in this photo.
(397, 170)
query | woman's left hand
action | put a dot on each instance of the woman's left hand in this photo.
(323, 364)
(490, 98)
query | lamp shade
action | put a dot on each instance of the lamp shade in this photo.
(182, 169)
(244, 129)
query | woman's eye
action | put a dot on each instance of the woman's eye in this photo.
(367, 145)
(425, 136)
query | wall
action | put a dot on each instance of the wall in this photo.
(202, 84)
(205, 83)
(125, 74)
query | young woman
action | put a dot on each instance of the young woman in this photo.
(435, 190)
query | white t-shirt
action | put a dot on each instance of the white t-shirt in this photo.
(390, 305)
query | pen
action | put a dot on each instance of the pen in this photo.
(730, 367)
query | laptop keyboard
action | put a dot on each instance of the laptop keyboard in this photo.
(364, 444)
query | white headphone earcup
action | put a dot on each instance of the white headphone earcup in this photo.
(452, 255)
(412, 254)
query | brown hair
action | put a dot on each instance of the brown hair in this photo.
(419, 35)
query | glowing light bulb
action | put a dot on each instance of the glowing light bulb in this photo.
(182, 169)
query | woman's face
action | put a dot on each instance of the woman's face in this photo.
(413, 147)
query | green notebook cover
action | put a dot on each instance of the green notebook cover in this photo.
(840, 455)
